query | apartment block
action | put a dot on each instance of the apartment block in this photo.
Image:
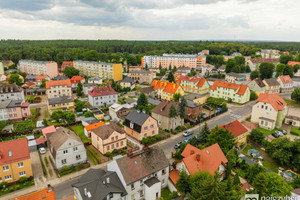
(58, 88)
(63, 103)
(99, 69)
(193, 84)
(12, 92)
(48, 68)
(142, 76)
(102, 96)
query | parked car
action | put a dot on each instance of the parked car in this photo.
(42, 150)
(177, 146)
(275, 134)
(186, 140)
(279, 133)
(187, 132)
(283, 132)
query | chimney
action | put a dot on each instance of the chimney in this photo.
(198, 156)
(192, 152)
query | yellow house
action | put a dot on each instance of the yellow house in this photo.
(63, 103)
(166, 90)
(127, 83)
(14, 160)
(238, 130)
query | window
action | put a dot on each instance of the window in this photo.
(0, 179)
(163, 181)
(141, 193)
(112, 146)
(132, 186)
(145, 135)
(163, 172)
(112, 138)
(146, 127)
(20, 164)
(153, 132)
(22, 173)
(116, 138)
(78, 157)
(75, 149)
(141, 182)
(8, 177)
(262, 122)
(107, 148)
(5, 168)
(121, 143)
(117, 144)
(266, 123)
(111, 195)
(152, 125)
(64, 161)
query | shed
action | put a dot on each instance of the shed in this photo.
(31, 143)
(253, 153)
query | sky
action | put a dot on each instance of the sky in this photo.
(150, 19)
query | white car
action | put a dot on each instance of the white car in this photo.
(42, 150)
(187, 132)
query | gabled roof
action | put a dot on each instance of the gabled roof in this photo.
(164, 108)
(259, 82)
(285, 79)
(102, 91)
(171, 87)
(235, 127)
(208, 159)
(45, 194)
(272, 82)
(14, 151)
(76, 79)
(94, 126)
(241, 88)
(10, 88)
(40, 77)
(127, 79)
(50, 84)
(137, 118)
(106, 130)
(293, 63)
(275, 100)
(60, 77)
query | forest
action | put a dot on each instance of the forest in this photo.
(122, 50)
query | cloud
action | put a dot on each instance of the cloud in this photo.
(26, 5)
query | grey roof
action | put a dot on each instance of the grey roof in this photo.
(142, 164)
(146, 90)
(89, 120)
(14, 103)
(192, 104)
(4, 103)
(127, 79)
(272, 82)
(10, 88)
(236, 75)
(193, 96)
(95, 182)
(137, 117)
(267, 119)
(30, 76)
(60, 77)
(95, 79)
(140, 72)
(259, 82)
(92, 62)
(151, 181)
(89, 84)
(62, 99)
(153, 101)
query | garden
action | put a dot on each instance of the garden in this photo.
(79, 130)
(93, 155)
(295, 131)
(23, 182)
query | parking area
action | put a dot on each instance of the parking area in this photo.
(37, 168)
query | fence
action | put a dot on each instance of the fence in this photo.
(193, 123)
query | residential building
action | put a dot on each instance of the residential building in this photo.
(233, 77)
(196, 98)
(205, 51)
(193, 110)
(12, 92)
(2, 78)
(296, 82)
(14, 160)
(183, 70)
(66, 148)
(210, 159)
(139, 125)
(99, 69)
(286, 84)
(108, 137)
(142, 76)
(66, 64)
(87, 120)
(88, 128)
(293, 63)
(236, 92)
(58, 88)
(1, 68)
(88, 87)
(222, 69)
(148, 91)
(98, 114)
(118, 112)
(142, 174)
(63, 103)
(45, 194)
(95, 80)
(3, 109)
(75, 80)
(127, 82)
(166, 90)
(174, 60)
(135, 68)
(48, 68)
(239, 132)
(255, 62)
(292, 120)
(193, 84)
(269, 111)
(161, 114)
(99, 184)
(102, 96)
(269, 53)
(257, 85)
(18, 109)
(272, 86)
(40, 78)
(7, 63)
(60, 77)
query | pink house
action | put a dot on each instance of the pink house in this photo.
(49, 129)
(18, 109)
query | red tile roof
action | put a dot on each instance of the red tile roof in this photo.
(201, 82)
(41, 140)
(174, 176)
(18, 148)
(235, 127)
(45, 194)
(76, 79)
(94, 126)
(49, 129)
(208, 159)
(171, 87)
(40, 77)
(293, 63)
(102, 91)
(274, 99)
(262, 60)
(30, 83)
(49, 84)
(241, 88)
(157, 84)
(286, 79)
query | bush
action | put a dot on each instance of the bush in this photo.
(178, 129)
(46, 161)
(64, 168)
(115, 151)
(229, 100)
(107, 154)
(253, 96)
(22, 179)
(3, 185)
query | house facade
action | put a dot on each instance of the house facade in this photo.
(127, 83)
(58, 88)
(292, 120)
(269, 111)
(63, 103)
(15, 160)
(88, 87)
(12, 92)
(3, 109)
(66, 64)
(108, 137)
(66, 148)
(88, 128)
(75, 80)
(166, 90)
(233, 77)
(142, 76)
(95, 80)
(254, 63)
(17, 109)
(161, 114)
(118, 111)
(286, 84)
(236, 92)
(257, 85)
(48, 68)
(272, 86)
(239, 132)
(192, 110)
(102, 96)
(139, 125)
(193, 84)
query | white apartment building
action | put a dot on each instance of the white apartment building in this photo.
(48, 68)
(3, 110)
(11, 92)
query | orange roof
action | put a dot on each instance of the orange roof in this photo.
(45, 194)
(235, 127)
(14, 151)
(157, 84)
(241, 91)
(40, 77)
(293, 63)
(76, 79)
(286, 79)
(208, 159)
(171, 87)
(49, 84)
(94, 126)
(201, 82)
(49, 129)
(274, 99)
(174, 176)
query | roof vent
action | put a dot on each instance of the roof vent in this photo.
(108, 180)
(207, 151)
(10, 154)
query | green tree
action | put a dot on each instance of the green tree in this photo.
(240, 60)
(279, 69)
(296, 68)
(176, 97)
(257, 136)
(285, 58)
(79, 89)
(43, 84)
(223, 137)
(236, 69)
(296, 95)
(70, 72)
(88, 114)
(170, 77)
(280, 150)
(69, 116)
(248, 69)
(254, 74)
(224, 106)
(288, 70)
(14, 78)
(91, 55)
(57, 115)
(266, 70)
(79, 105)
(253, 96)
(142, 101)
(183, 183)
(182, 105)
(230, 64)
(173, 112)
(236, 180)
(296, 182)
(232, 158)
(253, 171)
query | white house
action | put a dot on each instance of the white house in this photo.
(3, 110)
(95, 80)
(88, 87)
(102, 96)
(117, 110)
(12, 92)
(286, 84)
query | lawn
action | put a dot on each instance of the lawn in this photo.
(78, 129)
(33, 112)
(292, 103)
(295, 131)
(166, 194)
(131, 97)
(24, 126)
(272, 166)
(267, 132)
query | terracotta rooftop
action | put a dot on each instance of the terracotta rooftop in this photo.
(50, 84)
(274, 99)
(40, 77)
(45, 194)
(235, 127)
(76, 79)
(286, 79)
(102, 91)
(262, 60)
(293, 63)
(171, 87)
(49, 129)
(94, 126)
(174, 176)
(14, 151)
(241, 89)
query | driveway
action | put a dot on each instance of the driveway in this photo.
(37, 169)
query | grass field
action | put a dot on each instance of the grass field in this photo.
(78, 129)
(295, 131)
(292, 103)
